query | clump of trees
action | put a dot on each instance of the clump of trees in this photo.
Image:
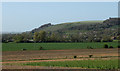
(40, 36)
(111, 47)
(44, 36)
(106, 46)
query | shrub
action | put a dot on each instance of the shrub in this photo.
(41, 48)
(24, 49)
(89, 47)
(111, 47)
(90, 56)
(75, 56)
(105, 46)
(118, 46)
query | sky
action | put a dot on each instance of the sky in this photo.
(25, 16)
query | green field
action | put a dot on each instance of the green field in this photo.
(53, 46)
(96, 64)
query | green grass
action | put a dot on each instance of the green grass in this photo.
(53, 46)
(85, 22)
(96, 64)
(69, 25)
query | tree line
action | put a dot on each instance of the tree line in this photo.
(44, 36)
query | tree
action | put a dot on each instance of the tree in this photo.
(53, 37)
(107, 39)
(18, 38)
(40, 37)
(25, 37)
(105, 46)
(35, 37)
(118, 37)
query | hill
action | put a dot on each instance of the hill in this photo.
(83, 31)
(78, 27)
(64, 26)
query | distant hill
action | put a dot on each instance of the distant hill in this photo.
(67, 26)
(76, 27)
(83, 31)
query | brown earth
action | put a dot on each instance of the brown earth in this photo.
(54, 55)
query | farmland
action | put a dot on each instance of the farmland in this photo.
(27, 59)
(60, 55)
(60, 36)
(54, 46)
(96, 64)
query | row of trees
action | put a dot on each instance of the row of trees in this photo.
(43, 36)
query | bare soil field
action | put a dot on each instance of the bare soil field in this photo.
(10, 57)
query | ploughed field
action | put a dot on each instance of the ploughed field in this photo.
(55, 55)
(35, 59)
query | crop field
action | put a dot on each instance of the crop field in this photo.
(42, 59)
(59, 55)
(96, 64)
(54, 46)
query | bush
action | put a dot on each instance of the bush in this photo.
(118, 46)
(75, 56)
(89, 47)
(111, 47)
(41, 48)
(24, 49)
(90, 56)
(107, 39)
(105, 46)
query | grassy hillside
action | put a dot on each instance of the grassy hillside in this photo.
(68, 25)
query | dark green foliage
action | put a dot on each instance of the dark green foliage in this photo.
(111, 47)
(90, 56)
(18, 38)
(105, 46)
(40, 37)
(24, 49)
(75, 56)
(107, 39)
(89, 47)
(41, 48)
(118, 46)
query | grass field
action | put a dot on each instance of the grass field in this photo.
(96, 64)
(53, 46)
